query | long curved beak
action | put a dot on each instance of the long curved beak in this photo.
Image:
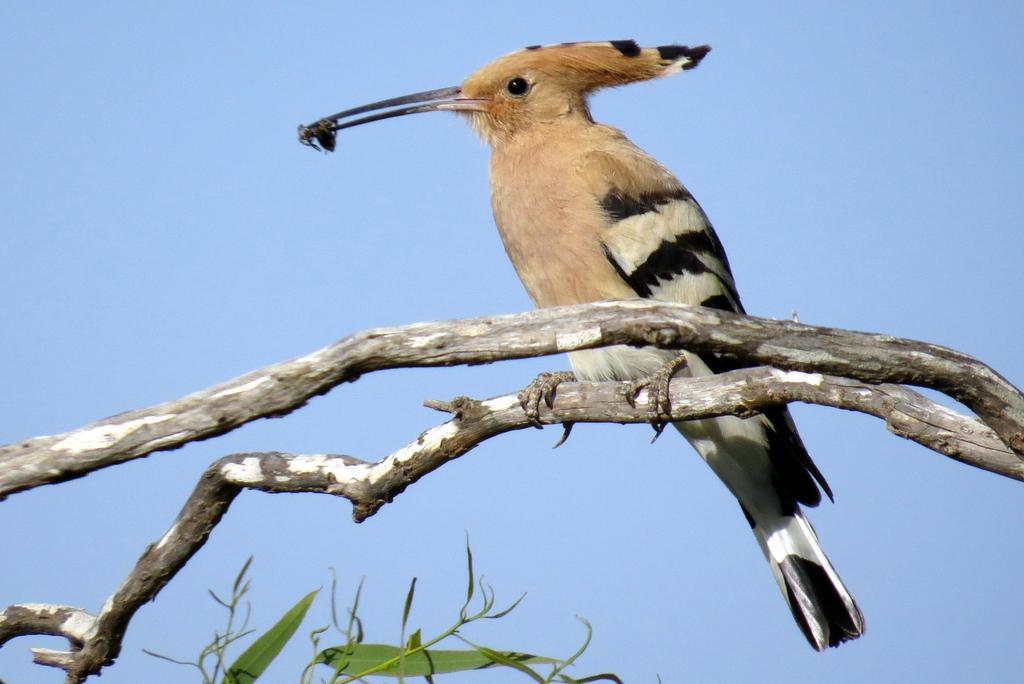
(322, 134)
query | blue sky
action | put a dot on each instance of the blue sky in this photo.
(162, 231)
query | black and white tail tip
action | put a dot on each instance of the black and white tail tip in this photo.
(821, 605)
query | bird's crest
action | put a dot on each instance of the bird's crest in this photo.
(585, 66)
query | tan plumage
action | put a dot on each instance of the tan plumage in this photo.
(550, 230)
(585, 215)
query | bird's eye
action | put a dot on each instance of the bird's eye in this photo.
(517, 86)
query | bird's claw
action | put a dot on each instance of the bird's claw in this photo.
(659, 401)
(542, 387)
(566, 431)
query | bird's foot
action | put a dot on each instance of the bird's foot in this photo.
(658, 398)
(542, 387)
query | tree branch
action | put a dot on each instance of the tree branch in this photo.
(96, 641)
(283, 387)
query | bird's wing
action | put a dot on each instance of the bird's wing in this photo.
(660, 241)
(663, 245)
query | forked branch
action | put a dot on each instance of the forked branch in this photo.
(283, 387)
(824, 366)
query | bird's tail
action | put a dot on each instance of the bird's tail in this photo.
(821, 605)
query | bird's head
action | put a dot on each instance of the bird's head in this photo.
(525, 88)
(542, 84)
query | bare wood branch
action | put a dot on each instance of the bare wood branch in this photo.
(96, 641)
(72, 623)
(283, 387)
(743, 393)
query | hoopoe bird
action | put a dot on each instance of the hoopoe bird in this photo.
(585, 216)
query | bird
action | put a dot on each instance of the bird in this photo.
(585, 215)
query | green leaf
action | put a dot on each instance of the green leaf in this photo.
(556, 672)
(241, 575)
(255, 659)
(363, 658)
(408, 604)
(469, 573)
(415, 640)
(500, 659)
(503, 613)
(353, 619)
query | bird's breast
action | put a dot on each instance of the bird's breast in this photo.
(550, 221)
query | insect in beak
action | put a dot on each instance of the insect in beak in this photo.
(322, 134)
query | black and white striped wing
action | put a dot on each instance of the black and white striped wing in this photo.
(664, 247)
